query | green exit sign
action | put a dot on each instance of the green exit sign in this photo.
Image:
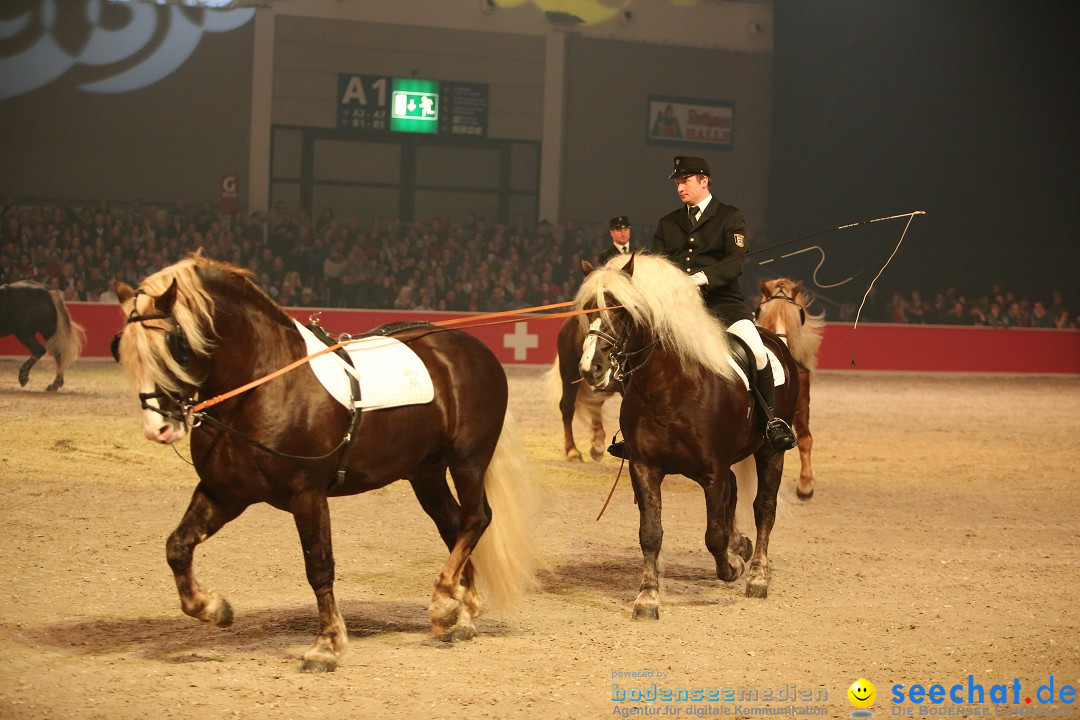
(414, 105)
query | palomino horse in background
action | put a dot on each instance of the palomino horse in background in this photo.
(199, 329)
(29, 309)
(685, 410)
(576, 397)
(783, 310)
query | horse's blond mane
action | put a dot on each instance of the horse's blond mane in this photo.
(663, 298)
(803, 337)
(144, 353)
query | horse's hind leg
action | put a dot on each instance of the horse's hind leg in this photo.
(801, 423)
(429, 484)
(770, 468)
(453, 604)
(312, 517)
(37, 351)
(651, 536)
(720, 499)
(203, 518)
(58, 381)
(567, 404)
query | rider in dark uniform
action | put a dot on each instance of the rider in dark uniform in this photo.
(707, 239)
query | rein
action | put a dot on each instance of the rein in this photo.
(509, 317)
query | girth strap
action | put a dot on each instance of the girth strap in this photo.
(354, 419)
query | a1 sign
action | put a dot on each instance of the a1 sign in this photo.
(363, 102)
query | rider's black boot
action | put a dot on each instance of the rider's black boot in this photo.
(777, 432)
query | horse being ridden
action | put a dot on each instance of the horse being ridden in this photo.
(29, 309)
(685, 410)
(198, 329)
(575, 396)
(783, 310)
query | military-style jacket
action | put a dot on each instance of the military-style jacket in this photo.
(715, 246)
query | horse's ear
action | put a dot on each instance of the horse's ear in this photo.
(796, 289)
(628, 268)
(164, 302)
(124, 292)
(764, 288)
(586, 267)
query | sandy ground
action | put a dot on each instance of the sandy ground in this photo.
(942, 543)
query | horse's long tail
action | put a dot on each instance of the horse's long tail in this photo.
(69, 338)
(804, 340)
(551, 381)
(506, 558)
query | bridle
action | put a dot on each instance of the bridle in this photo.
(177, 343)
(782, 295)
(620, 359)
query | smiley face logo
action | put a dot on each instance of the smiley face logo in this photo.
(862, 693)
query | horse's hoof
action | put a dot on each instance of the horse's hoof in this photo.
(219, 612)
(646, 612)
(52, 388)
(318, 665)
(804, 496)
(23, 379)
(743, 548)
(757, 589)
(574, 456)
(459, 633)
(597, 455)
(737, 567)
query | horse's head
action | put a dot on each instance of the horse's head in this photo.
(164, 347)
(645, 304)
(783, 305)
(603, 357)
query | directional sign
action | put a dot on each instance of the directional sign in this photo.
(414, 105)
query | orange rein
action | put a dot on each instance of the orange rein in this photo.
(514, 316)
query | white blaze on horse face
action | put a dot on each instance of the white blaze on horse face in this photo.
(588, 354)
(155, 426)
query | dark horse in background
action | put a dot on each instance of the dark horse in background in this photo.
(685, 411)
(29, 309)
(576, 398)
(198, 329)
(784, 310)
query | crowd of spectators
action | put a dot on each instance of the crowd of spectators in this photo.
(997, 307)
(300, 261)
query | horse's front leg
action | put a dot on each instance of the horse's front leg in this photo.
(646, 482)
(720, 500)
(204, 517)
(596, 423)
(770, 468)
(312, 517)
(801, 423)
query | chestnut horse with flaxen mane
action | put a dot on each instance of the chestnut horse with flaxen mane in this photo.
(685, 410)
(199, 329)
(784, 311)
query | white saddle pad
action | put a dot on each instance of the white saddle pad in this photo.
(390, 373)
(777, 370)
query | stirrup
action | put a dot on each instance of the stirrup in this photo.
(779, 435)
(617, 449)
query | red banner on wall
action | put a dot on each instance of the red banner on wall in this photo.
(532, 341)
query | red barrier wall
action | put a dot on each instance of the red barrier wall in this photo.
(930, 348)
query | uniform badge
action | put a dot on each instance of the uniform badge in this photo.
(740, 240)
